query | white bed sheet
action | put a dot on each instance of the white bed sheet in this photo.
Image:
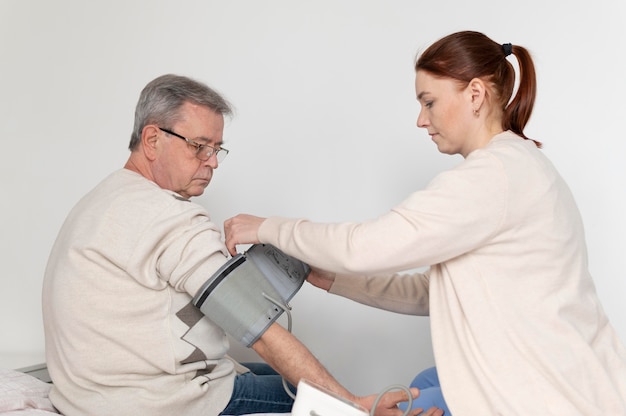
(25, 395)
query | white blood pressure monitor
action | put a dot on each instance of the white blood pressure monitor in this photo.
(248, 293)
(315, 400)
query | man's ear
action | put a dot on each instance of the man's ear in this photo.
(149, 139)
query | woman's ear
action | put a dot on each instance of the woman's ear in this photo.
(149, 139)
(478, 91)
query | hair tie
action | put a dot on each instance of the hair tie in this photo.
(507, 48)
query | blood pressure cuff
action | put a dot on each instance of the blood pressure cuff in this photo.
(248, 293)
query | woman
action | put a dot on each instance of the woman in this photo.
(517, 327)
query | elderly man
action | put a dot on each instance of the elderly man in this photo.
(122, 336)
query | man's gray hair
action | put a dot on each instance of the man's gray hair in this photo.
(161, 100)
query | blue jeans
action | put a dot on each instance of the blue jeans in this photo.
(259, 391)
(430, 392)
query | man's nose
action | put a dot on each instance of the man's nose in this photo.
(212, 161)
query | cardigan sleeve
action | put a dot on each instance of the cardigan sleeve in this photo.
(401, 293)
(460, 210)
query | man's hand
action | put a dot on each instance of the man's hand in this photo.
(388, 404)
(241, 229)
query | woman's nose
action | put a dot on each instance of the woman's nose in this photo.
(422, 121)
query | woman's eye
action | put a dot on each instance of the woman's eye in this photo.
(428, 104)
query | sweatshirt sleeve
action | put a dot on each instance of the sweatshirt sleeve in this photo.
(182, 245)
(460, 210)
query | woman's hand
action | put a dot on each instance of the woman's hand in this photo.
(321, 278)
(241, 229)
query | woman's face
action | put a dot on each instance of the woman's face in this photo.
(446, 112)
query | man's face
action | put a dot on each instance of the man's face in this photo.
(176, 166)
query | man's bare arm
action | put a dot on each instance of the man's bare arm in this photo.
(287, 355)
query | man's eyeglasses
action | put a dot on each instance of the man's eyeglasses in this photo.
(203, 151)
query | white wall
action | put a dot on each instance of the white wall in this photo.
(325, 128)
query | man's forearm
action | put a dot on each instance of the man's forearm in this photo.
(287, 355)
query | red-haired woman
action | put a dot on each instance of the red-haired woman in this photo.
(517, 326)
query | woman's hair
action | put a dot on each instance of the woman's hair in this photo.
(161, 100)
(466, 55)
